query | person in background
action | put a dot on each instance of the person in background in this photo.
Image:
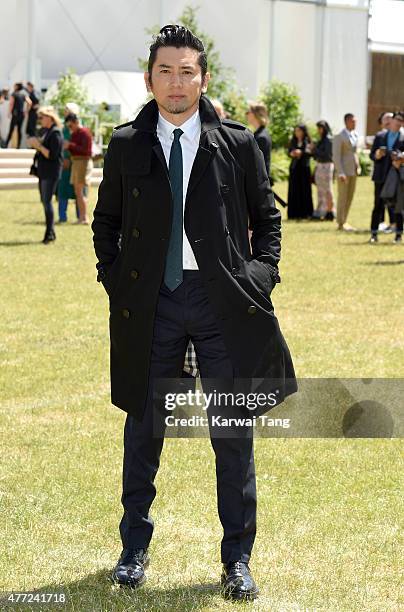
(257, 116)
(33, 111)
(18, 102)
(344, 151)
(65, 188)
(300, 202)
(49, 158)
(219, 108)
(80, 147)
(4, 117)
(384, 121)
(393, 187)
(322, 153)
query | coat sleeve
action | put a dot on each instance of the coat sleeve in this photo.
(375, 146)
(264, 217)
(336, 154)
(55, 145)
(107, 221)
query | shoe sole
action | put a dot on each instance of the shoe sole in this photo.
(236, 596)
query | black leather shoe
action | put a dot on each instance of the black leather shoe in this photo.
(237, 582)
(50, 236)
(129, 570)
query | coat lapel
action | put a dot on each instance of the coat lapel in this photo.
(146, 121)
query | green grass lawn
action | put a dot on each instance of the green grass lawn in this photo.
(329, 513)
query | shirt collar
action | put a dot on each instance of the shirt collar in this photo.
(191, 127)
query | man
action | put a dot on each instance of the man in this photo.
(384, 144)
(33, 111)
(17, 112)
(171, 237)
(384, 120)
(347, 166)
(80, 147)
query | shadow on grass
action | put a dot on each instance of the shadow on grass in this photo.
(29, 223)
(13, 243)
(96, 592)
(384, 263)
(372, 246)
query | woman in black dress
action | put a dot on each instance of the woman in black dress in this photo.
(48, 162)
(300, 202)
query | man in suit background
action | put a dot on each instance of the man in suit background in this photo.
(384, 144)
(383, 121)
(181, 187)
(344, 151)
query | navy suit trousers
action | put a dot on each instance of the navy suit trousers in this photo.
(182, 315)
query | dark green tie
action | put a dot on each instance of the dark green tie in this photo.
(173, 271)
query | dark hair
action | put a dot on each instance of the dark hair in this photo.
(29, 84)
(399, 116)
(348, 116)
(177, 36)
(306, 136)
(304, 129)
(19, 86)
(71, 117)
(326, 128)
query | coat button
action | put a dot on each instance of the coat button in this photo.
(135, 192)
(135, 232)
(226, 231)
(252, 310)
(134, 274)
(125, 313)
(225, 188)
(234, 271)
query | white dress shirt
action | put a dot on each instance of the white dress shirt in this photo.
(353, 136)
(189, 143)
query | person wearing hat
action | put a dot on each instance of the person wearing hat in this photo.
(48, 164)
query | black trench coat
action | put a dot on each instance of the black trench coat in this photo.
(228, 192)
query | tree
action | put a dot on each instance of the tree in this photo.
(68, 88)
(283, 104)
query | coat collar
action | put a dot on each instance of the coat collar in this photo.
(146, 121)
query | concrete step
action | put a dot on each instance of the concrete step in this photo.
(32, 182)
(19, 153)
(21, 183)
(14, 172)
(24, 162)
(23, 172)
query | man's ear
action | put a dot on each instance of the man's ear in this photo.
(146, 77)
(205, 82)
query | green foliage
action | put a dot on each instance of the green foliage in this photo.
(69, 88)
(280, 163)
(283, 104)
(365, 163)
(235, 104)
